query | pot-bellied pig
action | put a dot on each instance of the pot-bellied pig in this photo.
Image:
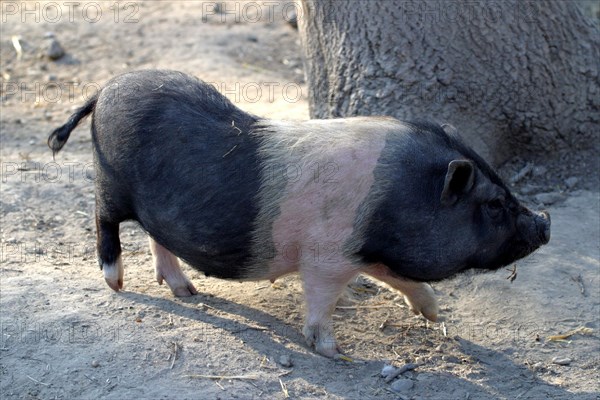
(241, 197)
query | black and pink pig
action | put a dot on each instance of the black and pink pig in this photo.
(240, 197)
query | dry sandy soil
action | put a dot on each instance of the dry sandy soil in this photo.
(66, 335)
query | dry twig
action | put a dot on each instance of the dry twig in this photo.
(176, 348)
(513, 274)
(17, 45)
(241, 377)
(284, 389)
(36, 381)
(357, 307)
(400, 371)
(582, 330)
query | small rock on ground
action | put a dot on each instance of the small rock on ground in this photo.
(402, 385)
(548, 198)
(285, 361)
(561, 360)
(387, 370)
(55, 50)
(571, 182)
(451, 359)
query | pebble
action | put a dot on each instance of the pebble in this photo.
(529, 189)
(55, 50)
(434, 359)
(426, 376)
(538, 366)
(399, 371)
(402, 385)
(285, 361)
(387, 370)
(571, 182)
(451, 359)
(548, 198)
(539, 171)
(292, 18)
(561, 361)
(289, 62)
(95, 364)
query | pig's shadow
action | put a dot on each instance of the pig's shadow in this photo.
(500, 375)
(503, 377)
(240, 320)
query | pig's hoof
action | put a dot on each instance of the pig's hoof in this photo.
(115, 285)
(179, 284)
(431, 313)
(322, 339)
(423, 302)
(113, 275)
(184, 291)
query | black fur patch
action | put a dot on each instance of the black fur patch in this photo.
(177, 156)
(411, 171)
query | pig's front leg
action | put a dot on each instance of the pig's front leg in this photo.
(418, 295)
(322, 288)
(167, 268)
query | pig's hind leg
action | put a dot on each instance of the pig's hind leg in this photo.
(167, 268)
(109, 252)
(418, 295)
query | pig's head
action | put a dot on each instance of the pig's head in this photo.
(442, 209)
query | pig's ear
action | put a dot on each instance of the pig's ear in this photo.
(459, 180)
(450, 129)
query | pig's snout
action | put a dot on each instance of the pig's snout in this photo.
(542, 223)
(534, 227)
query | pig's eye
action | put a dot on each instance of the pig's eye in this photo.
(495, 208)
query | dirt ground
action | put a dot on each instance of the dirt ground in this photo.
(66, 335)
